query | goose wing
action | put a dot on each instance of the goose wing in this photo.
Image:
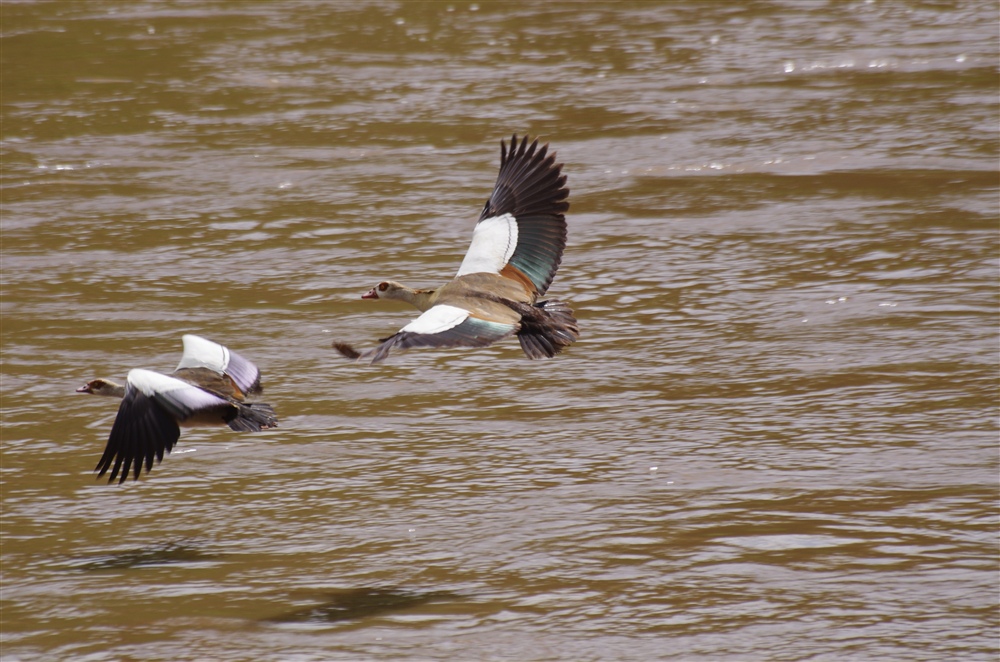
(442, 326)
(203, 353)
(521, 233)
(148, 421)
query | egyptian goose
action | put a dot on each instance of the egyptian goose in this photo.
(516, 248)
(209, 387)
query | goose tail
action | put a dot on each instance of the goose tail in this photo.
(253, 417)
(547, 329)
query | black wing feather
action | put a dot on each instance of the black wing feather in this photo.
(141, 430)
(531, 187)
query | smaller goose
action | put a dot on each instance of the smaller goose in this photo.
(516, 249)
(208, 388)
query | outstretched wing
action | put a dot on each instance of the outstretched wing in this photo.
(147, 423)
(442, 326)
(521, 233)
(203, 353)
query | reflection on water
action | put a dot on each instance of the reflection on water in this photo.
(776, 440)
(360, 603)
(156, 555)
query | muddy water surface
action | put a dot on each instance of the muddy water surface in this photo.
(776, 439)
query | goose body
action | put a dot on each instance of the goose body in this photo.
(516, 248)
(210, 387)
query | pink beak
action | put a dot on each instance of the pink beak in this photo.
(372, 294)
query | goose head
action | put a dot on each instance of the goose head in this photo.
(102, 387)
(390, 289)
(387, 289)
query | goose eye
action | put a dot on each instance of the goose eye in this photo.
(382, 287)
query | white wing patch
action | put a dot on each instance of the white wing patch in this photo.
(437, 319)
(202, 353)
(152, 384)
(493, 242)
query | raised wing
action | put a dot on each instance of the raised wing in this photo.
(443, 326)
(203, 353)
(521, 233)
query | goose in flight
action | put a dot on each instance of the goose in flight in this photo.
(517, 246)
(210, 387)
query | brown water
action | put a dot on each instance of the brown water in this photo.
(776, 440)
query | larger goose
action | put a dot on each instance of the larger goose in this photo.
(516, 249)
(209, 387)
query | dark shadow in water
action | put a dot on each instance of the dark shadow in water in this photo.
(154, 555)
(359, 603)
